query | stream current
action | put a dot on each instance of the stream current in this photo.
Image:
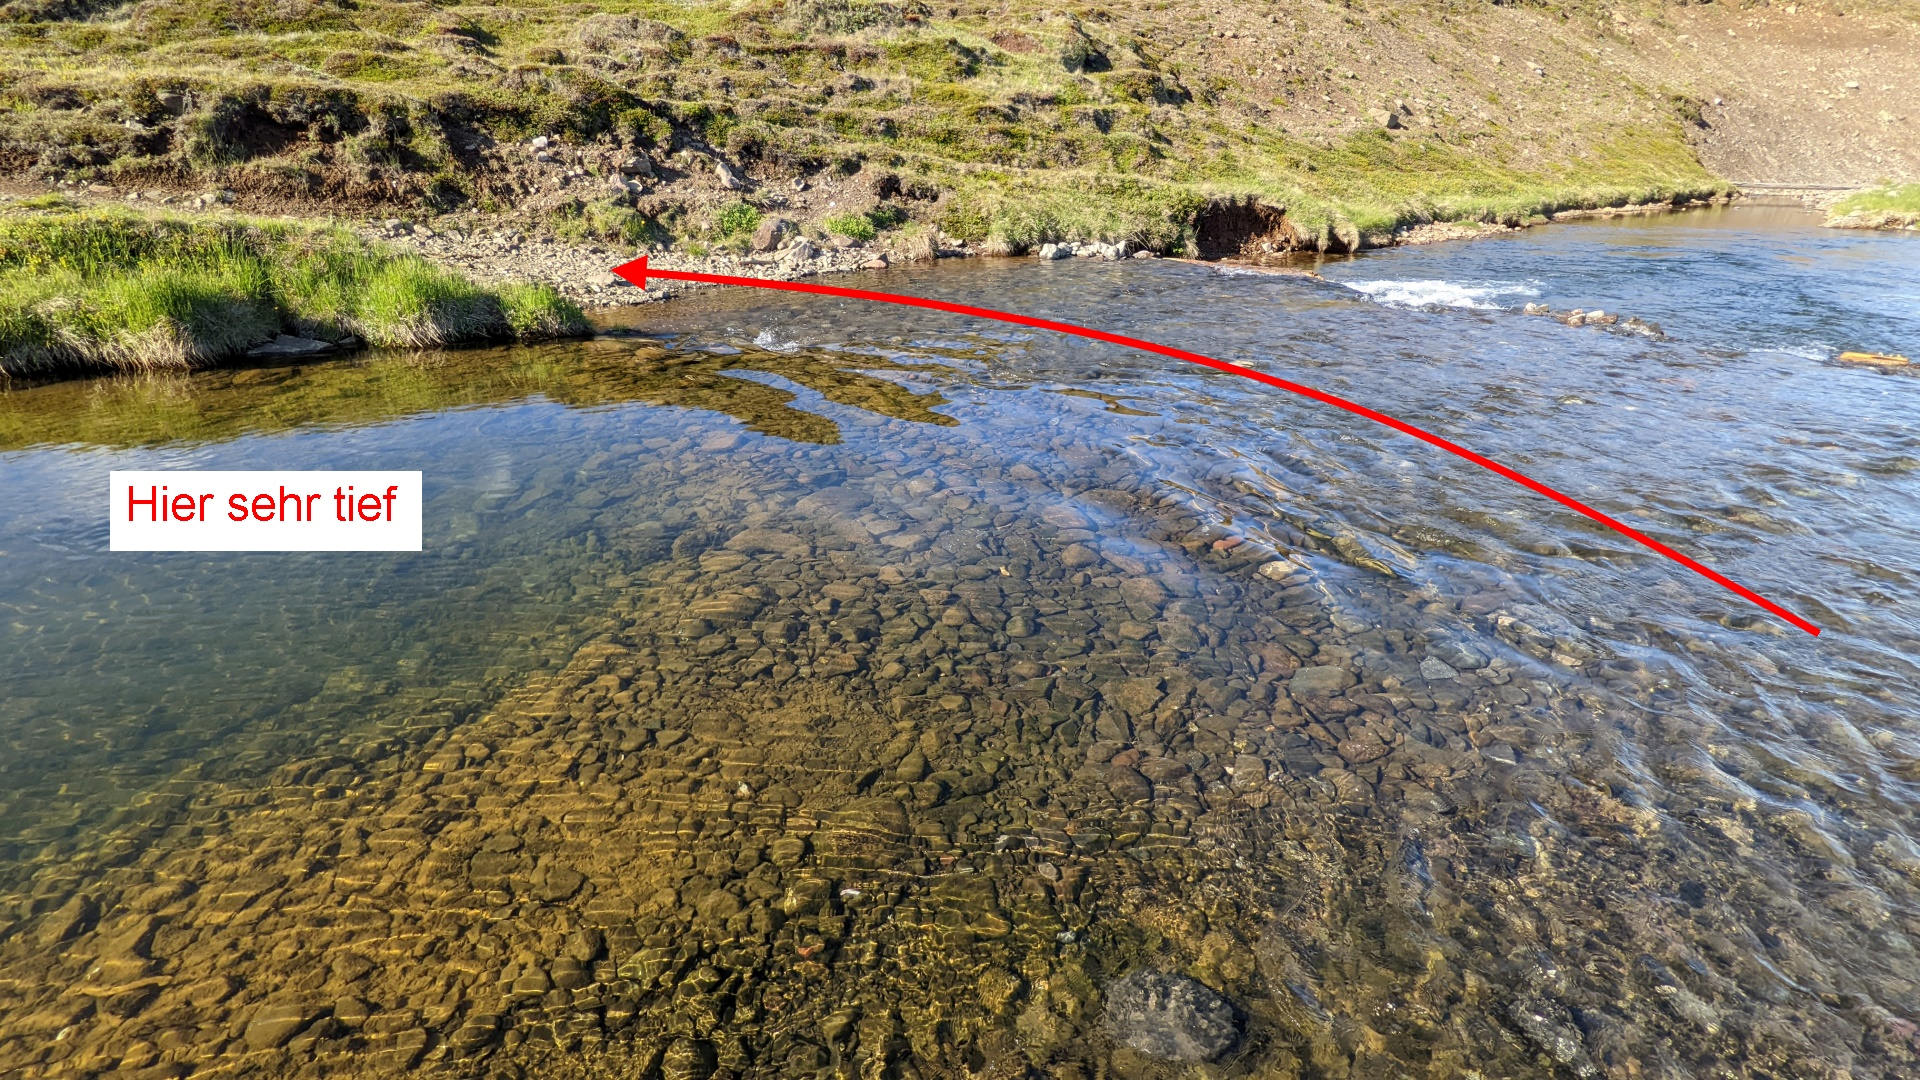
(797, 687)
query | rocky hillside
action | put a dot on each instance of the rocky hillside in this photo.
(1204, 127)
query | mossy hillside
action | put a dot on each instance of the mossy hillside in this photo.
(992, 107)
(1357, 189)
(116, 290)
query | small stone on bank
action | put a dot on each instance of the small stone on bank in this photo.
(773, 232)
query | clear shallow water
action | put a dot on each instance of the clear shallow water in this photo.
(1699, 274)
(893, 684)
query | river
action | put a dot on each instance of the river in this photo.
(793, 686)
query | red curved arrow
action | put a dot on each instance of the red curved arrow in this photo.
(638, 273)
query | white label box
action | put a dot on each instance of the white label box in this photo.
(267, 510)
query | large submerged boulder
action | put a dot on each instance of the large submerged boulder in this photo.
(1170, 1017)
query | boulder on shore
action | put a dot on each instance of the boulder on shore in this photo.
(772, 232)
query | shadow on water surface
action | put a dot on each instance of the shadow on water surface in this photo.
(219, 405)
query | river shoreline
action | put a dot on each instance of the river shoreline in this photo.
(581, 272)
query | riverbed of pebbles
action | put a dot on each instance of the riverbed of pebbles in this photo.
(908, 763)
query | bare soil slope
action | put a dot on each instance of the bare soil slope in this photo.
(1798, 95)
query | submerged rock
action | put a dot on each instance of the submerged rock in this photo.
(280, 1020)
(288, 345)
(1874, 359)
(1128, 785)
(1320, 681)
(688, 1059)
(1170, 1017)
(1549, 1027)
(69, 920)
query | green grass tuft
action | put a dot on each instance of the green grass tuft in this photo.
(411, 302)
(865, 226)
(117, 290)
(1889, 206)
(609, 219)
(851, 226)
(1891, 198)
(536, 311)
(737, 219)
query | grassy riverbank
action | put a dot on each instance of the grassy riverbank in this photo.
(524, 139)
(1890, 206)
(89, 290)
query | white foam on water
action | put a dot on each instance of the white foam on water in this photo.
(1427, 293)
(1815, 351)
(766, 339)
